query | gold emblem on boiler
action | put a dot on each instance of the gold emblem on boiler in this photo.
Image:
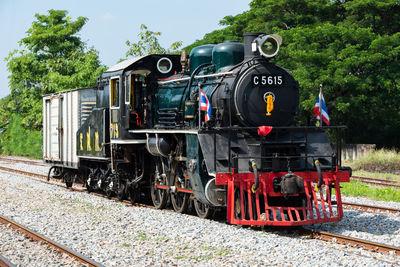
(269, 98)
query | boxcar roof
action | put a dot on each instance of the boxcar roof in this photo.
(70, 90)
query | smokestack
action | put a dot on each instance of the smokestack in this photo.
(248, 39)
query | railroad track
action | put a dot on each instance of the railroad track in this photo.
(376, 181)
(370, 208)
(368, 245)
(26, 161)
(5, 262)
(355, 242)
(44, 177)
(38, 237)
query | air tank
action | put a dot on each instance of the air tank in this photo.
(200, 55)
(228, 53)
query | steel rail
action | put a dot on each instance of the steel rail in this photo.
(32, 162)
(54, 244)
(362, 206)
(23, 172)
(41, 176)
(342, 239)
(376, 181)
(5, 262)
(370, 207)
(368, 245)
(62, 185)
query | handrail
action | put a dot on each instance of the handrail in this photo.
(334, 157)
(210, 129)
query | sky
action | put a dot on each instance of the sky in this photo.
(112, 23)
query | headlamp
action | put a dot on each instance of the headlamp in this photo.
(268, 45)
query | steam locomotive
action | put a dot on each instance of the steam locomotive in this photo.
(213, 131)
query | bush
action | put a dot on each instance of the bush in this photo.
(19, 141)
(382, 160)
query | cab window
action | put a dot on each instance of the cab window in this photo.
(130, 91)
(114, 87)
(114, 94)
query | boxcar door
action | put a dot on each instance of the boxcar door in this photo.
(54, 128)
(61, 128)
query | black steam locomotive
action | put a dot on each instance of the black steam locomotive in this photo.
(214, 131)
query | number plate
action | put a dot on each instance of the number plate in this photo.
(260, 80)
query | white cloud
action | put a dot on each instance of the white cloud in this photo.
(107, 16)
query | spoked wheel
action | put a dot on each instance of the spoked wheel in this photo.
(111, 185)
(159, 195)
(88, 184)
(204, 211)
(180, 200)
(109, 192)
(120, 190)
(57, 173)
(91, 180)
(69, 179)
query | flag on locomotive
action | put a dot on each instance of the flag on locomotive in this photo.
(320, 109)
(205, 105)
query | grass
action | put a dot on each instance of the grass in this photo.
(223, 252)
(381, 161)
(141, 236)
(382, 164)
(360, 189)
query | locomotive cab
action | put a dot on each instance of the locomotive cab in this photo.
(131, 85)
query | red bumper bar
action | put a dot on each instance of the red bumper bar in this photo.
(315, 206)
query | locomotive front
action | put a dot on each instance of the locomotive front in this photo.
(261, 93)
(245, 154)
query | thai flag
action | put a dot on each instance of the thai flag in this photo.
(320, 108)
(205, 105)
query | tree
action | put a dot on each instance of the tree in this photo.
(148, 44)
(351, 47)
(53, 58)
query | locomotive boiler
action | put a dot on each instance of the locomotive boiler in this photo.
(215, 132)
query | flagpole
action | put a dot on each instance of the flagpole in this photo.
(199, 102)
(320, 106)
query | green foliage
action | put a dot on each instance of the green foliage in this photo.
(16, 140)
(3, 110)
(351, 47)
(360, 189)
(52, 59)
(149, 44)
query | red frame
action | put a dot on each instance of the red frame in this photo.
(318, 210)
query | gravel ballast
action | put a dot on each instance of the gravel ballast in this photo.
(22, 251)
(118, 235)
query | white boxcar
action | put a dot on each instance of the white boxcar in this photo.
(63, 114)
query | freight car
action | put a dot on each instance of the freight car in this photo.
(214, 131)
